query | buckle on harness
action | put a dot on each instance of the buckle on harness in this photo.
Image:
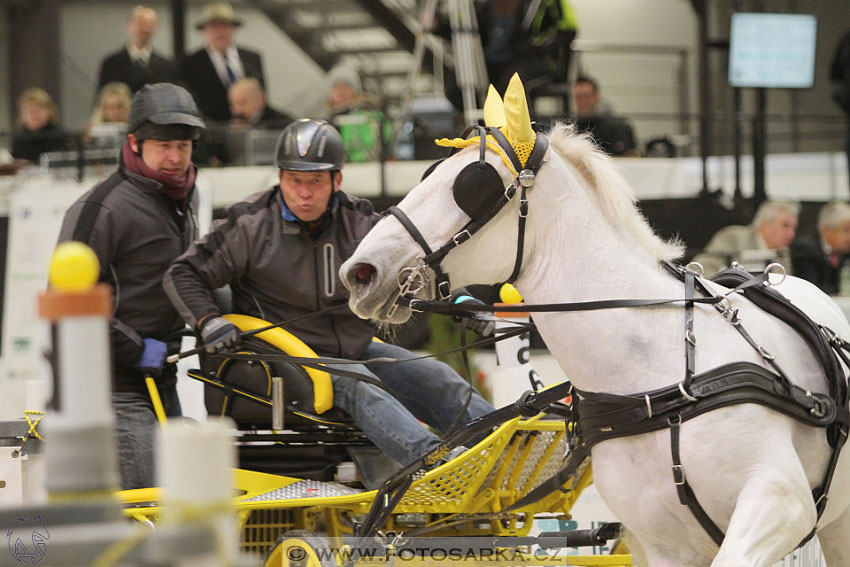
(678, 475)
(461, 237)
(819, 409)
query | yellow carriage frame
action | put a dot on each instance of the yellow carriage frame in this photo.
(464, 497)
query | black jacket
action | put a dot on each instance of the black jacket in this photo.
(119, 67)
(277, 271)
(197, 73)
(30, 144)
(135, 231)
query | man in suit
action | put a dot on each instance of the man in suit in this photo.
(764, 241)
(137, 64)
(209, 72)
(820, 257)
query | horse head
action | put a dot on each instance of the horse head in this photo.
(446, 224)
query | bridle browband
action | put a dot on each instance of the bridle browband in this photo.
(413, 278)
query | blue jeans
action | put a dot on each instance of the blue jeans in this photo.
(427, 390)
(135, 428)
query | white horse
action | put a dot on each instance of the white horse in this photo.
(751, 468)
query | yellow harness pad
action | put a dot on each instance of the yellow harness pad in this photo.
(323, 396)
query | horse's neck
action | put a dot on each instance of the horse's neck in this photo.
(615, 350)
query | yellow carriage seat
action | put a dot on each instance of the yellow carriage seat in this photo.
(242, 389)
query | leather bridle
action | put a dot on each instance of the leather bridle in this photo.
(414, 278)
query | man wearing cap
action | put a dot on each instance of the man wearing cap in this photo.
(280, 251)
(208, 73)
(137, 221)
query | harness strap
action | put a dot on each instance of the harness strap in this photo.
(686, 493)
(442, 279)
(509, 149)
(520, 239)
(467, 308)
(535, 160)
(690, 338)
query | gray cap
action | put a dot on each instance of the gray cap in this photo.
(310, 145)
(165, 105)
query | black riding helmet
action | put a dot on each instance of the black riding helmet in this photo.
(164, 111)
(310, 145)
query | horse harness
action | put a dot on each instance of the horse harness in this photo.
(601, 416)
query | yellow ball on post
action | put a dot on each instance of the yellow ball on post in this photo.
(73, 268)
(509, 294)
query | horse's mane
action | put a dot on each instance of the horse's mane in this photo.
(614, 194)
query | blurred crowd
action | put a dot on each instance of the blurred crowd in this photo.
(229, 85)
(531, 37)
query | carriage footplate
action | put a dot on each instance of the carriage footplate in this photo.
(305, 489)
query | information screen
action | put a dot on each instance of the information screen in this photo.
(772, 50)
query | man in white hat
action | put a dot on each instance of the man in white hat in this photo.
(209, 72)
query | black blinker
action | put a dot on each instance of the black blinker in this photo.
(476, 188)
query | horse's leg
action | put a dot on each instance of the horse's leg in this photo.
(773, 513)
(834, 540)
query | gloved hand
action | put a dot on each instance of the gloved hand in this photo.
(219, 335)
(482, 323)
(153, 357)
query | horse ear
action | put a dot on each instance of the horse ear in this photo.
(494, 109)
(516, 113)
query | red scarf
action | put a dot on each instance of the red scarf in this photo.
(175, 189)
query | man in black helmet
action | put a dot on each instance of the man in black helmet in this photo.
(280, 251)
(137, 221)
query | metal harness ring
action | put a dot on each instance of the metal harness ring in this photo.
(774, 267)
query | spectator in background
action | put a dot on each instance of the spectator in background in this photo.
(137, 64)
(612, 133)
(366, 132)
(819, 257)
(529, 37)
(108, 121)
(754, 246)
(839, 78)
(39, 130)
(208, 73)
(249, 107)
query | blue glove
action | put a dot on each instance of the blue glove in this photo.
(219, 335)
(482, 323)
(153, 357)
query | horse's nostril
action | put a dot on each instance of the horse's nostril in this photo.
(364, 272)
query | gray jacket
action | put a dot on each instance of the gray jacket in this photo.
(278, 271)
(136, 232)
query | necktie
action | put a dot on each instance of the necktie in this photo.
(231, 76)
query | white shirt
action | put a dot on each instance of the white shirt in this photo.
(142, 54)
(233, 61)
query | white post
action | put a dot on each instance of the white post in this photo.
(195, 465)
